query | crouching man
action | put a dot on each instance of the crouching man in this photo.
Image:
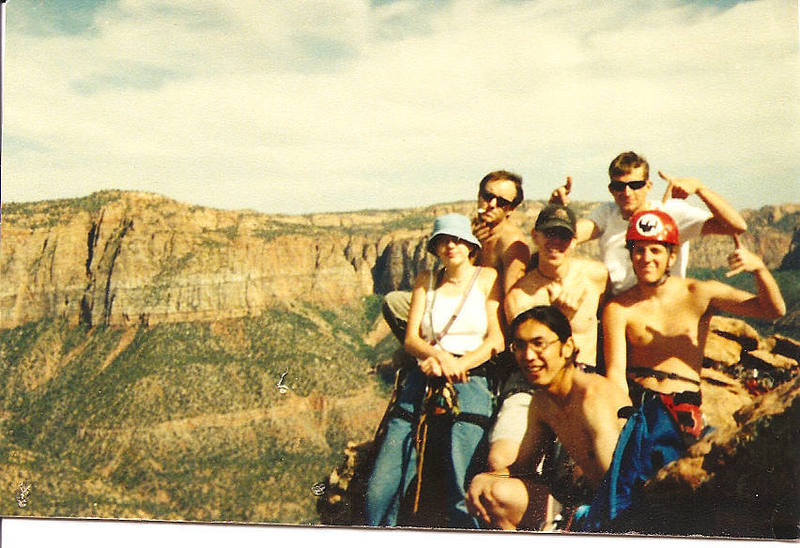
(585, 410)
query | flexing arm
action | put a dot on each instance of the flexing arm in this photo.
(768, 303)
(615, 348)
(725, 219)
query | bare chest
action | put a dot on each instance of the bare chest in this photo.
(662, 323)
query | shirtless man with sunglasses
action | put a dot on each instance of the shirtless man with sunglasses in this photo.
(504, 248)
(629, 186)
(503, 245)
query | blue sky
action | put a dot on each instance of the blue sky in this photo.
(339, 105)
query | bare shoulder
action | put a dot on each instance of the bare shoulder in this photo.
(593, 269)
(487, 277)
(423, 278)
(598, 390)
(621, 302)
(511, 234)
(705, 286)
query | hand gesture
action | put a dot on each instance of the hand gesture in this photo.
(452, 369)
(560, 196)
(478, 495)
(484, 230)
(568, 299)
(680, 187)
(431, 367)
(743, 260)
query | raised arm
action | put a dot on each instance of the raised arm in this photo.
(585, 229)
(725, 218)
(515, 259)
(767, 303)
(615, 347)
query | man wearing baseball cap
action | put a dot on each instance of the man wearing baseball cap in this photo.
(577, 286)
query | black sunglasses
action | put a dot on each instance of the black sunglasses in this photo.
(619, 186)
(501, 202)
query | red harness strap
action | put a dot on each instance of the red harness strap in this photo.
(685, 409)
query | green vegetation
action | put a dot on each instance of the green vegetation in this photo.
(184, 421)
(52, 212)
(789, 283)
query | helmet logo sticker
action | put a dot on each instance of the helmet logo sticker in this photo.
(649, 225)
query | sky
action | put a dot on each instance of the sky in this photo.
(341, 105)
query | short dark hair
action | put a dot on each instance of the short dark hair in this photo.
(548, 315)
(503, 175)
(627, 162)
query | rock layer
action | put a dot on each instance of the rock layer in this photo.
(127, 258)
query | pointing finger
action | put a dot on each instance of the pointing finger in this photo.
(568, 185)
(668, 192)
(737, 241)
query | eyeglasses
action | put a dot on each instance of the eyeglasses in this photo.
(488, 197)
(537, 345)
(619, 186)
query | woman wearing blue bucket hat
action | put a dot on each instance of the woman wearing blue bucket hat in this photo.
(434, 440)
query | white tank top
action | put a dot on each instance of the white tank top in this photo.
(467, 331)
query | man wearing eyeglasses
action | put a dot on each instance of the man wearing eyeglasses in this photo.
(629, 186)
(582, 409)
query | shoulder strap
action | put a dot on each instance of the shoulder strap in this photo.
(471, 284)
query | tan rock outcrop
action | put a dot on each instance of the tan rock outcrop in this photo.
(127, 258)
(141, 258)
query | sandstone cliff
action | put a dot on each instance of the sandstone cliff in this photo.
(127, 258)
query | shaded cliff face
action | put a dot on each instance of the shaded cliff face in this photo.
(123, 258)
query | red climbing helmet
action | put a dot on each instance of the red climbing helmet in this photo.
(652, 226)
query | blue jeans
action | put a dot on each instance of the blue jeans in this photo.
(395, 466)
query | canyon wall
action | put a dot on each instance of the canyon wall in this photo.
(126, 258)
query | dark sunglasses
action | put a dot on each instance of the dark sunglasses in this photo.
(501, 202)
(619, 186)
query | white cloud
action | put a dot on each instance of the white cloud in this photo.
(335, 105)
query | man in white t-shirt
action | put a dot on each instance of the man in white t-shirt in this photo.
(630, 184)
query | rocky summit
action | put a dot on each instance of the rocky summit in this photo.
(741, 480)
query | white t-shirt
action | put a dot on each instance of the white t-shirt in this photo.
(608, 219)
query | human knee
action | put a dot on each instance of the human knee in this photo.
(505, 494)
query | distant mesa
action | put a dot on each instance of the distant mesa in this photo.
(127, 258)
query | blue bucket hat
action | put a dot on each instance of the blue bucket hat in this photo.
(453, 224)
